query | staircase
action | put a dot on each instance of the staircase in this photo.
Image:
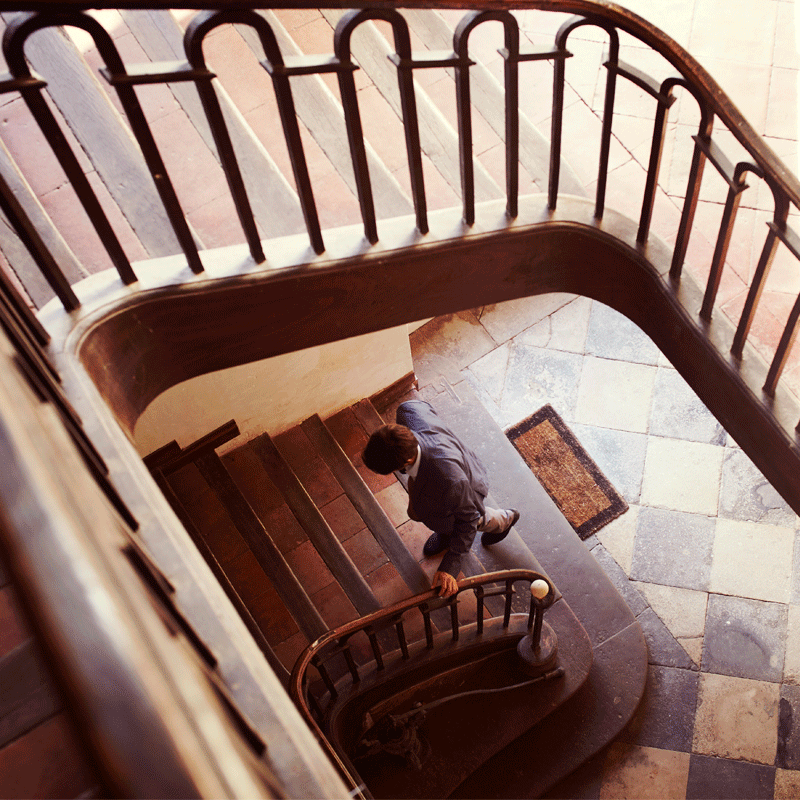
(304, 538)
(184, 236)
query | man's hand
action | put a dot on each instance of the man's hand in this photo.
(447, 583)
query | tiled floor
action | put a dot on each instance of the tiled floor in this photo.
(707, 556)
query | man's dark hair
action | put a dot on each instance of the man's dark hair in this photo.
(390, 448)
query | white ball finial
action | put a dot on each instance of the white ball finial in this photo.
(539, 589)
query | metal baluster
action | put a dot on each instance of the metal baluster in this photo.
(479, 613)
(608, 118)
(665, 100)
(454, 616)
(735, 189)
(762, 270)
(509, 593)
(401, 638)
(692, 191)
(193, 45)
(14, 39)
(426, 618)
(376, 650)
(36, 247)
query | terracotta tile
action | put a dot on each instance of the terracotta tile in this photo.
(365, 552)
(249, 475)
(342, 517)
(394, 501)
(309, 568)
(292, 18)
(284, 529)
(273, 617)
(217, 223)
(333, 605)
(387, 585)
(13, 630)
(237, 67)
(265, 123)
(737, 718)
(310, 469)
(47, 762)
(347, 430)
(247, 577)
(414, 536)
(314, 35)
(438, 192)
(494, 161)
(196, 175)
(336, 204)
(644, 772)
(289, 650)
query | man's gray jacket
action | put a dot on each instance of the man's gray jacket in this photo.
(448, 493)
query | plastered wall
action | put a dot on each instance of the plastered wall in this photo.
(277, 393)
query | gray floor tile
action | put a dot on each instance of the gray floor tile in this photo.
(662, 647)
(745, 493)
(789, 729)
(665, 718)
(448, 344)
(673, 548)
(629, 592)
(719, 778)
(680, 414)
(619, 454)
(612, 335)
(744, 638)
(795, 586)
(536, 376)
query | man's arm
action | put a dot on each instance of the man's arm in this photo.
(465, 526)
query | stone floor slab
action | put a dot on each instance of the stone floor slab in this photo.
(721, 779)
(665, 718)
(678, 413)
(536, 376)
(563, 330)
(448, 344)
(752, 560)
(737, 718)
(746, 494)
(618, 538)
(791, 664)
(627, 407)
(683, 611)
(620, 455)
(745, 638)
(503, 321)
(644, 772)
(681, 475)
(612, 335)
(673, 548)
(789, 729)
(787, 784)
(662, 647)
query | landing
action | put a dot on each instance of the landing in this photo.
(683, 555)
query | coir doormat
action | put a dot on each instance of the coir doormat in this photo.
(574, 482)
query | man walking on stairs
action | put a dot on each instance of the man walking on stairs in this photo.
(447, 485)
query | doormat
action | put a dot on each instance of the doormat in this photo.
(574, 482)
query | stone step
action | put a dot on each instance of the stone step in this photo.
(604, 705)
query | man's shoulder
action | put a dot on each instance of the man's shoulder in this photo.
(414, 409)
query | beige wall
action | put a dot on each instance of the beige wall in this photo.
(277, 393)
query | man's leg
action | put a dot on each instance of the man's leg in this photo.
(496, 523)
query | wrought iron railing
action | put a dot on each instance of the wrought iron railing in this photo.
(124, 77)
(338, 661)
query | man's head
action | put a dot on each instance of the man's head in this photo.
(390, 448)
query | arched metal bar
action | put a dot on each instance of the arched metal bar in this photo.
(36, 247)
(193, 38)
(14, 38)
(559, 77)
(130, 103)
(461, 48)
(612, 67)
(403, 60)
(762, 269)
(665, 98)
(280, 73)
(736, 187)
